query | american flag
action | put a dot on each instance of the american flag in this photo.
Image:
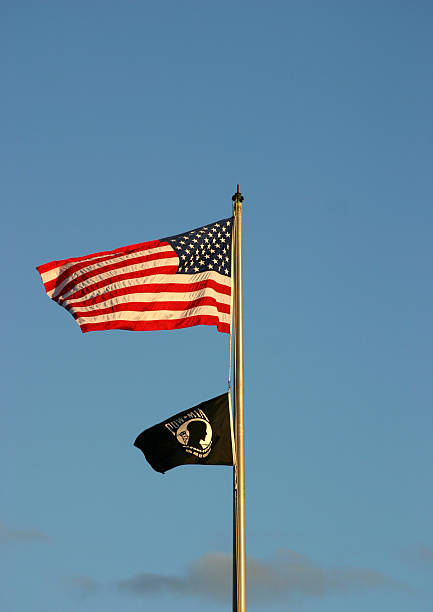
(174, 282)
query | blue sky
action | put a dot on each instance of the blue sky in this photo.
(128, 121)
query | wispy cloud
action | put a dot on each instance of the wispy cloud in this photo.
(287, 574)
(83, 585)
(8, 534)
(421, 555)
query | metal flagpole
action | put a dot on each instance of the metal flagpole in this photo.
(235, 469)
(239, 469)
(235, 494)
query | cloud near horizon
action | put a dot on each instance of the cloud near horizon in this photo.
(83, 585)
(421, 555)
(425, 554)
(287, 574)
(8, 534)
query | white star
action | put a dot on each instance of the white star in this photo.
(210, 266)
(201, 262)
(196, 269)
(226, 271)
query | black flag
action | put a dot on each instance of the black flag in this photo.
(199, 435)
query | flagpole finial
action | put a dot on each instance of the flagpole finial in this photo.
(237, 197)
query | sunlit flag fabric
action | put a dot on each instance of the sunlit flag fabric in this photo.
(201, 435)
(174, 282)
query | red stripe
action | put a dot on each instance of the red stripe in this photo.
(153, 244)
(56, 282)
(152, 306)
(150, 288)
(116, 278)
(158, 325)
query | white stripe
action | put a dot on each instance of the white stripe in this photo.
(157, 297)
(106, 259)
(158, 315)
(157, 279)
(55, 272)
(147, 265)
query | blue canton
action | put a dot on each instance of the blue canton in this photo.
(205, 248)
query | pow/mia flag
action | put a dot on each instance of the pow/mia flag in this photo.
(199, 435)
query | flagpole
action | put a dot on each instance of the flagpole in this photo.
(239, 473)
(235, 545)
